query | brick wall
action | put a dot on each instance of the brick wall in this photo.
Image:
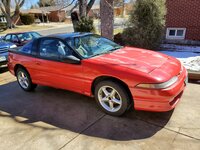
(184, 14)
(56, 16)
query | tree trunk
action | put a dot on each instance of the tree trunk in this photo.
(75, 19)
(15, 17)
(82, 8)
(9, 21)
(123, 8)
(107, 16)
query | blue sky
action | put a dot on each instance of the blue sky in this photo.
(28, 3)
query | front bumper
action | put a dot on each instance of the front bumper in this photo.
(5, 60)
(160, 100)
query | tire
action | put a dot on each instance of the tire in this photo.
(113, 103)
(24, 80)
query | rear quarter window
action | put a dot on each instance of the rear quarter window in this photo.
(8, 37)
(27, 48)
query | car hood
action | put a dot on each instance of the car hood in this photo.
(133, 58)
(4, 54)
(4, 46)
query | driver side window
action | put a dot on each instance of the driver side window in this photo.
(53, 48)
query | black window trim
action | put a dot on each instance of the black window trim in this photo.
(35, 53)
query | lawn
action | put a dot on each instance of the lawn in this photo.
(26, 28)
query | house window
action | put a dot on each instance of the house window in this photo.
(175, 33)
(2, 19)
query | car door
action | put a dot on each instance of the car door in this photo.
(52, 71)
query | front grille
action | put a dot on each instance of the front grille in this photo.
(2, 50)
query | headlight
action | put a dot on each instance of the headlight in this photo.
(160, 85)
(13, 46)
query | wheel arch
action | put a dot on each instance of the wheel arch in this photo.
(110, 78)
(17, 66)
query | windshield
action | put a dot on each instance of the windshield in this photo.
(28, 36)
(93, 45)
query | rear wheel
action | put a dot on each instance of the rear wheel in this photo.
(24, 80)
(112, 98)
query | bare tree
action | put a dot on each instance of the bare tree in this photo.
(82, 8)
(84, 5)
(5, 6)
(46, 3)
(89, 6)
(107, 16)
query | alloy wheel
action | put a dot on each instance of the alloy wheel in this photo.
(109, 98)
(23, 79)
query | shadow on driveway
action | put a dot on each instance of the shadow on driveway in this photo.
(77, 113)
(3, 69)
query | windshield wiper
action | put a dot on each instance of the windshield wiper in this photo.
(107, 52)
(116, 48)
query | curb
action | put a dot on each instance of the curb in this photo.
(193, 75)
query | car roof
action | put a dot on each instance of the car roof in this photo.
(68, 35)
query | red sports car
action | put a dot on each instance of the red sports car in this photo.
(118, 77)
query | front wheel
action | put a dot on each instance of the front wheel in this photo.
(112, 98)
(24, 80)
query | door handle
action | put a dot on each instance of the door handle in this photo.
(38, 63)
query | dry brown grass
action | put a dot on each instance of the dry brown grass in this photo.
(25, 28)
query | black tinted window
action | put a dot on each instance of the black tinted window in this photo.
(53, 48)
(27, 48)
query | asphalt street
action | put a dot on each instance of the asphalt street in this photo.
(66, 29)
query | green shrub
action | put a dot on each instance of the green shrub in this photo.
(27, 19)
(118, 39)
(85, 25)
(3, 26)
(146, 24)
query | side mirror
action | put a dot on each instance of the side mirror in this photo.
(70, 59)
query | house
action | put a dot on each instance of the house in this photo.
(50, 13)
(118, 9)
(57, 13)
(38, 14)
(2, 18)
(16, 20)
(183, 20)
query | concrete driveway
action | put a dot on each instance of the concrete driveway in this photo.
(56, 119)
